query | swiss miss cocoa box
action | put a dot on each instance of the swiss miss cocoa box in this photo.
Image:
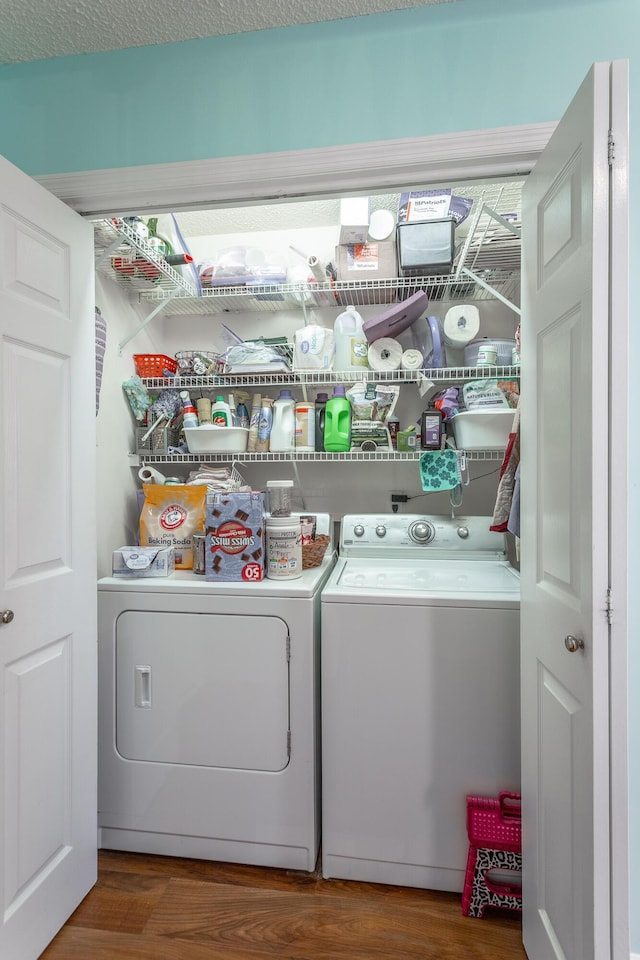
(234, 544)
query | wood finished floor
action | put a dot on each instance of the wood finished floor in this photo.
(162, 908)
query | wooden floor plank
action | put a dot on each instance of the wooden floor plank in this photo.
(120, 901)
(164, 908)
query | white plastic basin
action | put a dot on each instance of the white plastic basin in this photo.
(210, 439)
(482, 429)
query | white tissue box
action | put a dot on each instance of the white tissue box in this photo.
(354, 219)
(143, 562)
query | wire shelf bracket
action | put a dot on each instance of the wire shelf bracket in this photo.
(156, 310)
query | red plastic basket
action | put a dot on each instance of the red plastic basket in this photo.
(495, 822)
(153, 364)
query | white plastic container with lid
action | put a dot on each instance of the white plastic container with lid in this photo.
(283, 548)
(283, 428)
(279, 496)
(305, 427)
(352, 347)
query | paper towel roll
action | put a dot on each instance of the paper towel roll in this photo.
(149, 475)
(461, 325)
(385, 354)
(412, 360)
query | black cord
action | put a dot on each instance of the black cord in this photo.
(428, 493)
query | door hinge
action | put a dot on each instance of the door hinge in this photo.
(288, 654)
(611, 148)
(609, 607)
(288, 743)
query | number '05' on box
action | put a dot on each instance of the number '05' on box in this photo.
(234, 545)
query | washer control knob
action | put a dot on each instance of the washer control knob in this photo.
(463, 532)
(381, 530)
(358, 530)
(421, 531)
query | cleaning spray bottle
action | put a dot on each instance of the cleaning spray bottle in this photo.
(189, 416)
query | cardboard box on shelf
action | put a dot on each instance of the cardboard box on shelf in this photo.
(234, 544)
(367, 261)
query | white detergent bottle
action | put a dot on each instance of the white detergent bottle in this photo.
(351, 344)
(283, 428)
(220, 413)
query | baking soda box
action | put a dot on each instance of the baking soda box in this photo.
(234, 545)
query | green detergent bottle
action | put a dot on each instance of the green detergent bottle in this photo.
(337, 422)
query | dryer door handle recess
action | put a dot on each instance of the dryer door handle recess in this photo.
(142, 685)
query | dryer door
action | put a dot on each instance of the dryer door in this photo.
(203, 689)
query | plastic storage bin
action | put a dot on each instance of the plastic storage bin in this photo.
(210, 439)
(482, 429)
(504, 350)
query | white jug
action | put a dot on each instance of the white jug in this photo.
(351, 344)
(283, 429)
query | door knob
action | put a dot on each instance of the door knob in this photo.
(6, 616)
(573, 643)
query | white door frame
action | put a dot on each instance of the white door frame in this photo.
(356, 169)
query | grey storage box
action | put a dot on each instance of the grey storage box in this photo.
(426, 247)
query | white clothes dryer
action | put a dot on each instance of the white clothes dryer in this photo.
(420, 694)
(209, 717)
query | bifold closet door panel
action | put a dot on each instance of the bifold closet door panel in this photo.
(202, 689)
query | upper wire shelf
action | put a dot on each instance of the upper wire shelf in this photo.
(293, 296)
(127, 258)
(319, 377)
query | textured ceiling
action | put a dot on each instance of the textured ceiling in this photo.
(40, 29)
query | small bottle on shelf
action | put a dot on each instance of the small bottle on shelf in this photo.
(189, 414)
(254, 422)
(264, 425)
(220, 413)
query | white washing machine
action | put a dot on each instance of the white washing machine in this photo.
(209, 717)
(420, 694)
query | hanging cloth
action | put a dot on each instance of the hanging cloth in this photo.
(439, 470)
(101, 344)
(507, 481)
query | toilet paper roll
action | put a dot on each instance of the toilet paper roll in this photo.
(149, 475)
(461, 325)
(385, 354)
(412, 360)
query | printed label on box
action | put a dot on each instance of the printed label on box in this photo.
(234, 545)
(362, 256)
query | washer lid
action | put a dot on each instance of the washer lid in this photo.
(431, 580)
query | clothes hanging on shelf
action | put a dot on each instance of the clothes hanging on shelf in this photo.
(507, 482)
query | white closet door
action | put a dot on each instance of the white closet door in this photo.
(48, 692)
(569, 402)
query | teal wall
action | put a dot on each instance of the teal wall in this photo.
(461, 66)
(467, 65)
